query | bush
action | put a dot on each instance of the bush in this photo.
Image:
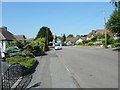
(117, 40)
(85, 41)
(25, 61)
(117, 44)
(29, 47)
(50, 44)
(28, 53)
(13, 51)
(98, 44)
(80, 43)
(90, 43)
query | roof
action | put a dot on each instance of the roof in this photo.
(5, 35)
(72, 39)
(83, 38)
(19, 37)
(99, 31)
(102, 31)
(29, 39)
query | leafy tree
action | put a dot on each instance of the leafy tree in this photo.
(114, 23)
(63, 38)
(83, 35)
(70, 35)
(45, 32)
(78, 36)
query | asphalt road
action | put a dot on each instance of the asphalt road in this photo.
(77, 67)
(91, 67)
(51, 73)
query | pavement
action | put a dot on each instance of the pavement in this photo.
(51, 73)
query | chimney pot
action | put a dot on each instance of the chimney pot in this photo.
(4, 28)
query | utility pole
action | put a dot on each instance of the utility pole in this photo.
(105, 29)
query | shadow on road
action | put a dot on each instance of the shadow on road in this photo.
(118, 49)
(34, 86)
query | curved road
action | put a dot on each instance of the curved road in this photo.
(77, 67)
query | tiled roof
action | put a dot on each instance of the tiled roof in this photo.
(72, 39)
(83, 38)
(5, 35)
(19, 37)
(102, 31)
(99, 31)
(29, 39)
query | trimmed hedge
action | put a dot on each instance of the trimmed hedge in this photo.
(25, 61)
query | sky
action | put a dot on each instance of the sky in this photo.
(78, 18)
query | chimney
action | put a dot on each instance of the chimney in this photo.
(4, 28)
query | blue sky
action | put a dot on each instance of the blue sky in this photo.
(61, 17)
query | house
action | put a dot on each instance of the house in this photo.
(98, 31)
(30, 39)
(6, 36)
(73, 40)
(19, 37)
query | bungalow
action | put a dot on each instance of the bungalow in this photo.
(73, 40)
(98, 31)
(6, 36)
(19, 37)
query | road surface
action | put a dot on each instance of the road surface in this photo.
(77, 67)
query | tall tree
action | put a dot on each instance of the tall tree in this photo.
(70, 35)
(63, 38)
(114, 23)
(45, 32)
(116, 3)
(78, 36)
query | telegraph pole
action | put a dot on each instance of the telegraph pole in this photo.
(105, 29)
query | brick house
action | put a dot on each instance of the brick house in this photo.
(98, 31)
(6, 36)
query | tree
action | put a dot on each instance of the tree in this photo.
(117, 5)
(83, 35)
(45, 32)
(63, 38)
(78, 36)
(114, 23)
(70, 35)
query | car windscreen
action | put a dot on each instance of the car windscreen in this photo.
(57, 44)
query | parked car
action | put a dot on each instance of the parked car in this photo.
(58, 46)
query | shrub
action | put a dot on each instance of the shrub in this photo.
(13, 51)
(29, 47)
(117, 44)
(85, 41)
(90, 43)
(25, 61)
(28, 53)
(80, 43)
(117, 40)
(50, 44)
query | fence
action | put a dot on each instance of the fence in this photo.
(11, 75)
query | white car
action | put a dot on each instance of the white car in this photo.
(58, 46)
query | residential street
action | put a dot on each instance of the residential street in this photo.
(74, 67)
